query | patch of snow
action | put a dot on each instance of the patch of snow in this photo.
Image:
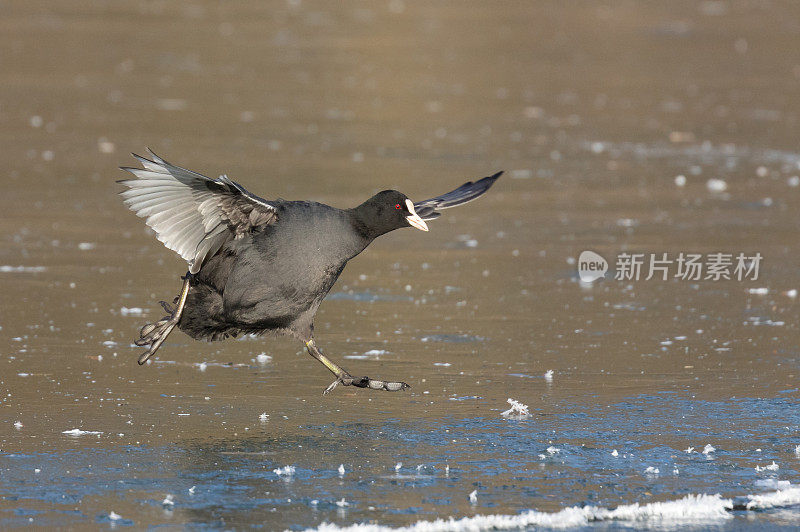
(692, 509)
(286, 471)
(777, 499)
(772, 484)
(517, 410)
(771, 467)
(79, 432)
(716, 185)
(21, 269)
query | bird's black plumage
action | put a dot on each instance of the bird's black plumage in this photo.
(260, 265)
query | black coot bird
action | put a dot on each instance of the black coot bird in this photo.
(258, 265)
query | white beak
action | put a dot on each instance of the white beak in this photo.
(414, 219)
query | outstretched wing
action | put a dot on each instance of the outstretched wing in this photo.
(429, 209)
(192, 214)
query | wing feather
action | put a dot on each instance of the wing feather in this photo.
(192, 214)
(429, 209)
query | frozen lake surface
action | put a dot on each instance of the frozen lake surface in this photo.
(629, 128)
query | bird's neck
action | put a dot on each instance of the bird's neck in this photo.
(365, 220)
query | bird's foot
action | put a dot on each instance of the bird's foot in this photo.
(366, 382)
(154, 334)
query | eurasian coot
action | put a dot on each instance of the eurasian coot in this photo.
(259, 265)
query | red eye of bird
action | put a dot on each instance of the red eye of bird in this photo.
(398, 207)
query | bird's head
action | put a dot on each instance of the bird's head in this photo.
(387, 211)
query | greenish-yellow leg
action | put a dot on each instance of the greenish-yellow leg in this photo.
(154, 334)
(345, 379)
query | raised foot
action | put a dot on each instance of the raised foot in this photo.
(366, 382)
(154, 334)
